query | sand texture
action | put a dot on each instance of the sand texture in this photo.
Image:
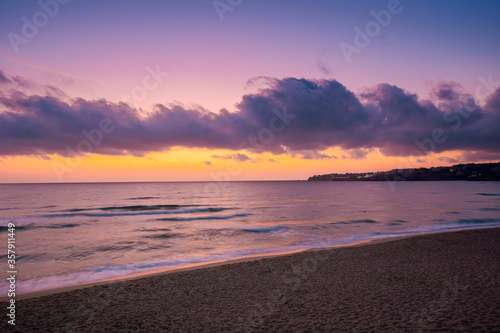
(446, 282)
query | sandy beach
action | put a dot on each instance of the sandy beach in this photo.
(441, 283)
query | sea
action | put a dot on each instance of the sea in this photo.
(68, 234)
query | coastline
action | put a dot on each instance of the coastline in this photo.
(447, 280)
(216, 263)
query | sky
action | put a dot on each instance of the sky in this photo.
(224, 90)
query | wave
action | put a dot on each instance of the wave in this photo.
(489, 194)
(356, 221)
(210, 217)
(32, 226)
(82, 255)
(489, 209)
(143, 198)
(266, 230)
(114, 247)
(363, 221)
(182, 211)
(131, 208)
(144, 207)
(153, 229)
(154, 247)
(27, 257)
(132, 212)
(392, 224)
(6, 228)
(478, 221)
(55, 215)
(185, 211)
(60, 226)
(163, 236)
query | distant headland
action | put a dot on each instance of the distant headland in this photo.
(469, 171)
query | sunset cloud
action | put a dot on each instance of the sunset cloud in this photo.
(3, 78)
(237, 157)
(288, 115)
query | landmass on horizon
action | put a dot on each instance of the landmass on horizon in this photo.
(469, 171)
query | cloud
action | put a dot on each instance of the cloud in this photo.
(286, 115)
(358, 153)
(3, 78)
(478, 156)
(450, 91)
(260, 81)
(311, 155)
(449, 160)
(323, 68)
(237, 157)
(241, 157)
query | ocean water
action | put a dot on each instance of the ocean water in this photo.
(74, 233)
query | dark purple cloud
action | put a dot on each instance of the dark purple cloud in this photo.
(478, 156)
(471, 156)
(447, 91)
(3, 78)
(295, 116)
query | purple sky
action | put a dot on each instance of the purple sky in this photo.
(357, 75)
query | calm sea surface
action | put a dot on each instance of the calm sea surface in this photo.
(72, 233)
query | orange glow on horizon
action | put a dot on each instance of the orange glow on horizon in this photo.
(183, 164)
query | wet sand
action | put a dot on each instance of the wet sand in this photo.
(440, 283)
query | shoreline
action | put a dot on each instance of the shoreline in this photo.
(217, 263)
(448, 281)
